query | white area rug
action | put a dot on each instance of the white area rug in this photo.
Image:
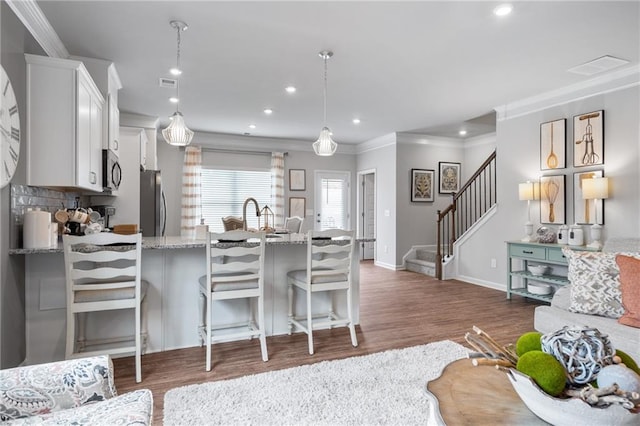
(382, 388)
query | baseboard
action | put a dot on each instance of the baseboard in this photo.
(482, 283)
(389, 266)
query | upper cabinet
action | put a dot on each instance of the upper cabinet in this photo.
(106, 77)
(65, 132)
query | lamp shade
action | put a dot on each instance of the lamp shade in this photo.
(325, 146)
(596, 188)
(527, 191)
(177, 133)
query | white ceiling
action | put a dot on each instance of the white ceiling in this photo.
(425, 67)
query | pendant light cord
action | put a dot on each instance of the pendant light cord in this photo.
(178, 67)
(325, 89)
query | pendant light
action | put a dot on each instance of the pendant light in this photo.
(325, 146)
(177, 133)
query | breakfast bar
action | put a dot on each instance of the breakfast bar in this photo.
(172, 266)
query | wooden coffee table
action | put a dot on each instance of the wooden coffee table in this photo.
(482, 395)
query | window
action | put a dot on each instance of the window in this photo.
(224, 193)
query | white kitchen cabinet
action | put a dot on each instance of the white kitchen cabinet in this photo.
(105, 75)
(64, 125)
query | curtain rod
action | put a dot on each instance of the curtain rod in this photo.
(239, 151)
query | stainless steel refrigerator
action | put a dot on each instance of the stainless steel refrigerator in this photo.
(153, 206)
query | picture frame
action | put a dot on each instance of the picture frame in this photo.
(588, 139)
(553, 200)
(449, 177)
(297, 206)
(553, 143)
(584, 211)
(422, 185)
(297, 180)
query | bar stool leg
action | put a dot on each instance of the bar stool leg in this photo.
(201, 326)
(290, 299)
(144, 326)
(82, 326)
(352, 328)
(263, 339)
(309, 321)
(71, 334)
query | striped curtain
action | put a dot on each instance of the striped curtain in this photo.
(191, 191)
(277, 187)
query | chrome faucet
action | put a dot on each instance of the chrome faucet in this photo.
(244, 211)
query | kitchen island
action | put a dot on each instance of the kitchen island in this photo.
(172, 266)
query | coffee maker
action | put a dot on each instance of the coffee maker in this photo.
(105, 213)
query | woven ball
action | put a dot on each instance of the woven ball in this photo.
(582, 351)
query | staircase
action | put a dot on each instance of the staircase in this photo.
(475, 198)
(424, 262)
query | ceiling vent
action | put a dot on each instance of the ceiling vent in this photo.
(605, 63)
(169, 83)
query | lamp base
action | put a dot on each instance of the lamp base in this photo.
(528, 230)
(596, 233)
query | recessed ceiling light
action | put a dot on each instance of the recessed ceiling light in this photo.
(290, 89)
(462, 132)
(268, 111)
(173, 100)
(175, 71)
(503, 10)
(252, 126)
(356, 121)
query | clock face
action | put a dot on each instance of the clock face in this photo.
(10, 130)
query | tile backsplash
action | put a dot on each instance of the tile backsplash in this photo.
(51, 200)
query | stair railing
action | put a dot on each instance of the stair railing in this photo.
(469, 204)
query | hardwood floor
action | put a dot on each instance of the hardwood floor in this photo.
(398, 309)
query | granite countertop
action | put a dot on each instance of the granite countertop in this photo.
(172, 243)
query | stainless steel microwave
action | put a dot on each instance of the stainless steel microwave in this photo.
(111, 171)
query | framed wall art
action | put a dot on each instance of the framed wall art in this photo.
(297, 180)
(553, 142)
(552, 200)
(588, 139)
(449, 177)
(297, 206)
(586, 211)
(422, 185)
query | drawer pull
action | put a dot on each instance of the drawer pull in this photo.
(527, 252)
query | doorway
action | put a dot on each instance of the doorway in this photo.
(367, 212)
(332, 200)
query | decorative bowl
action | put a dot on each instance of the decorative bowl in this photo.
(570, 411)
(539, 288)
(538, 269)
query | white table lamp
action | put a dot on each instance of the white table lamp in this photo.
(527, 192)
(595, 189)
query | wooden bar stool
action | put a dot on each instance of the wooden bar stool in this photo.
(103, 274)
(329, 255)
(233, 272)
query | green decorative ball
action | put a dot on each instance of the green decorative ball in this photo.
(528, 342)
(545, 370)
(628, 361)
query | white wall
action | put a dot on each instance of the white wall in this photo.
(476, 151)
(518, 160)
(382, 158)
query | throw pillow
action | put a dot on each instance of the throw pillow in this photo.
(630, 287)
(595, 285)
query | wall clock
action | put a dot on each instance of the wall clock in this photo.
(10, 130)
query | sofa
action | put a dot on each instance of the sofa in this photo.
(79, 392)
(548, 319)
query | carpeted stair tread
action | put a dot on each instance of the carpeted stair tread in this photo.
(428, 255)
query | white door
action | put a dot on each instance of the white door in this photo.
(331, 200)
(368, 213)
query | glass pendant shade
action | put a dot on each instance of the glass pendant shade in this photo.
(325, 146)
(177, 133)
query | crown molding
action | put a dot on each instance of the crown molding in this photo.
(38, 25)
(610, 82)
(421, 139)
(383, 141)
(249, 143)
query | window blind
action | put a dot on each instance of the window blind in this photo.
(333, 204)
(224, 192)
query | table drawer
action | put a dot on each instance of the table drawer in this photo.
(557, 256)
(528, 252)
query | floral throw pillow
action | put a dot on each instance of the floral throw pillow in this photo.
(595, 283)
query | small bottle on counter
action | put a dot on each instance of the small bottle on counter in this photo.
(202, 230)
